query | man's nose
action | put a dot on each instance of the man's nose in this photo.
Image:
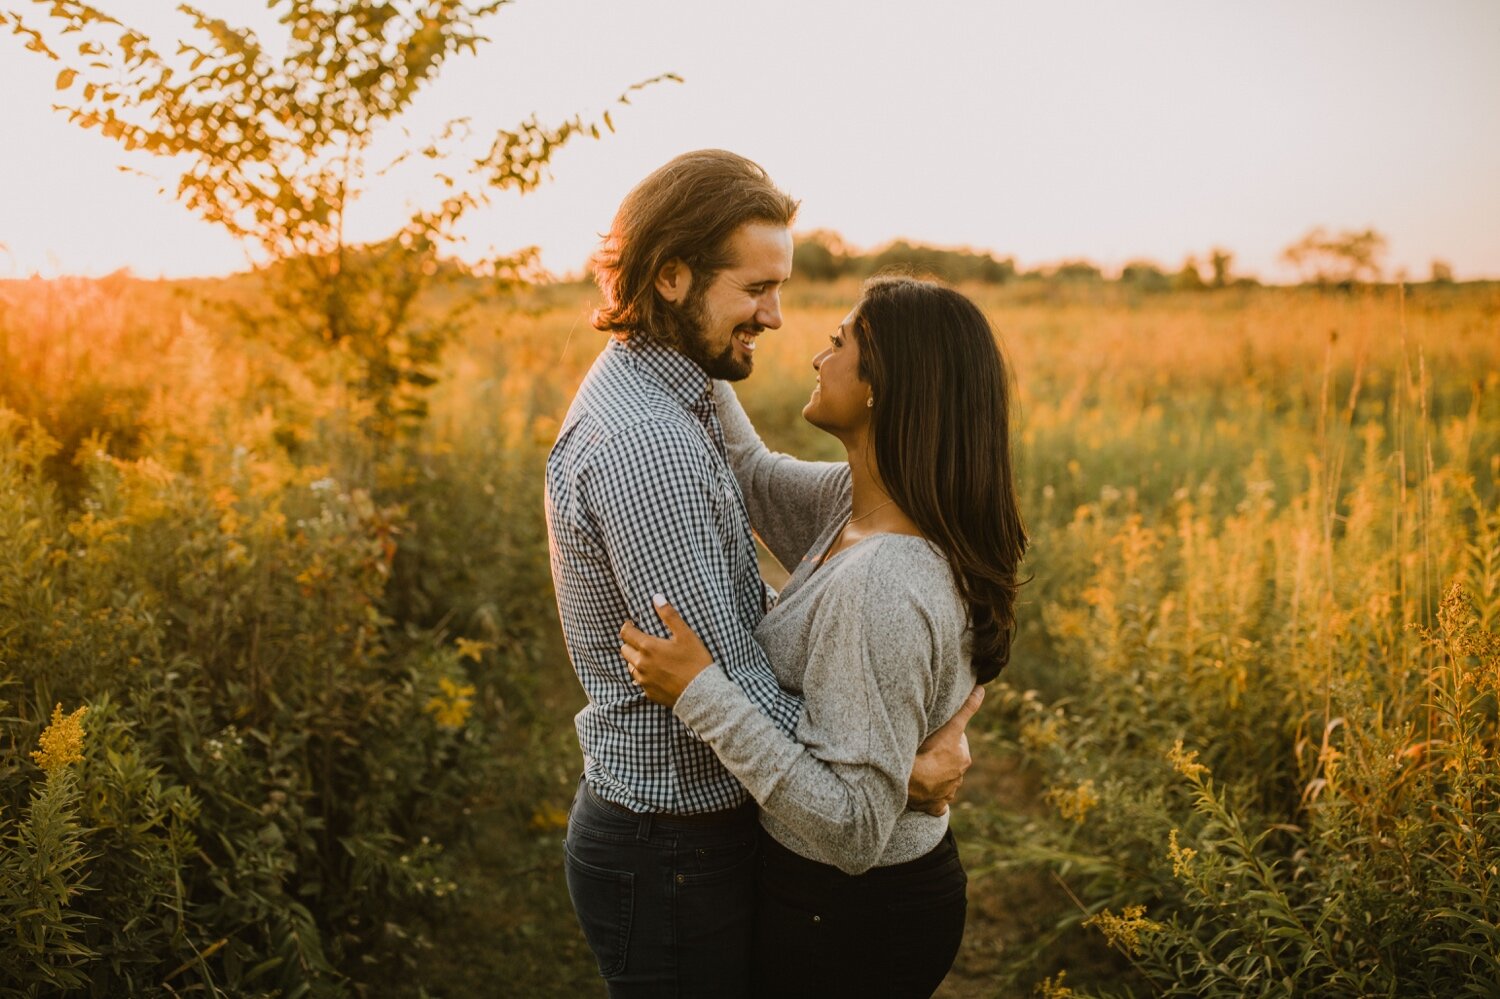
(769, 313)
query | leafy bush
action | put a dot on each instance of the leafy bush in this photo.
(271, 766)
(307, 670)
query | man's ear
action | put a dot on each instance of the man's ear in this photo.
(673, 280)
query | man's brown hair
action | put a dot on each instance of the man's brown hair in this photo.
(685, 210)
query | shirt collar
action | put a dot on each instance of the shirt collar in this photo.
(681, 377)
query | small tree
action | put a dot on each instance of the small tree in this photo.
(1077, 272)
(1189, 278)
(820, 255)
(1220, 260)
(276, 150)
(1442, 272)
(1345, 258)
(1145, 275)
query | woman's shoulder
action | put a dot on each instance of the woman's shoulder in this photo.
(895, 571)
(896, 598)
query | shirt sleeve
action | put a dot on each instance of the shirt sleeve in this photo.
(840, 783)
(791, 502)
(654, 493)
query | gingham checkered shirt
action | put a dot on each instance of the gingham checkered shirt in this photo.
(641, 500)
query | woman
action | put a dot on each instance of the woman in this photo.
(902, 596)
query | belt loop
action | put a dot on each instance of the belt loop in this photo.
(643, 831)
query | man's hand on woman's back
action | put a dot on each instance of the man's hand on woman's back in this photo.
(942, 760)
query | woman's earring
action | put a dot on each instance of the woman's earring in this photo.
(870, 402)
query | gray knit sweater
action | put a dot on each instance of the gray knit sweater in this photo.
(875, 640)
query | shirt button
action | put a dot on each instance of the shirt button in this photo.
(680, 879)
(817, 919)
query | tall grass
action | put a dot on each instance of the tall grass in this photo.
(1254, 686)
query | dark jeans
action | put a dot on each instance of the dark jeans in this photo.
(890, 932)
(665, 902)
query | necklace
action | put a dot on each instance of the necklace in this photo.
(855, 520)
(833, 546)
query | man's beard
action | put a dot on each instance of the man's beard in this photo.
(689, 321)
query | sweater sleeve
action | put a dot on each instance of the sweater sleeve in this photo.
(790, 501)
(840, 785)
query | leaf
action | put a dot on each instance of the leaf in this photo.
(65, 78)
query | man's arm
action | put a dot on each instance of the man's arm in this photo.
(652, 491)
(942, 760)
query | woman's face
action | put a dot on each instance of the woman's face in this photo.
(840, 402)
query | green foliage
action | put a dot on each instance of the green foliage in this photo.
(1284, 608)
(266, 780)
(42, 859)
(311, 696)
(276, 147)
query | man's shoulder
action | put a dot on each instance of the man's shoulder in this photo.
(627, 423)
(618, 391)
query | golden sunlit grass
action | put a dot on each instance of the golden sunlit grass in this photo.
(1256, 660)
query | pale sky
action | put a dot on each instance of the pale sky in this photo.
(1042, 130)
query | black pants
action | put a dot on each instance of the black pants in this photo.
(890, 932)
(665, 903)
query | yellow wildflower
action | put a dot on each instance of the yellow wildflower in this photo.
(1124, 931)
(36, 446)
(470, 649)
(1185, 761)
(1459, 624)
(1074, 804)
(548, 817)
(1039, 733)
(451, 709)
(91, 530)
(61, 741)
(1096, 596)
(313, 576)
(1182, 857)
(1053, 988)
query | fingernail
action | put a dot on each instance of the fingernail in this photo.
(658, 599)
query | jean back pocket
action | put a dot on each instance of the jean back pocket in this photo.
(603, 900)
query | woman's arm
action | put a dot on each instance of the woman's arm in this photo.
(790, 501)
(841, 784)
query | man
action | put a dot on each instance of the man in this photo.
(640, 500)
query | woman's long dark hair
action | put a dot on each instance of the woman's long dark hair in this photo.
(940, 432)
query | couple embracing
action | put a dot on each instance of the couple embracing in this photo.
(763, 806)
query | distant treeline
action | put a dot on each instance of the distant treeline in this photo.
(821, 255)
(1323, 259)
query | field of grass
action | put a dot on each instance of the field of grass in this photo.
(1247, 744)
